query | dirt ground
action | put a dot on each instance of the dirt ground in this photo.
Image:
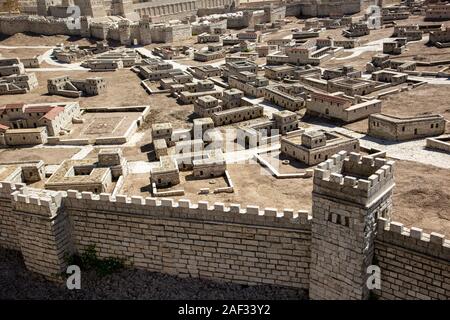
(20, 53)
(425, 99)
(48, 155)
(29, 39)
(253, 186)
(123, 89)
(422, 197)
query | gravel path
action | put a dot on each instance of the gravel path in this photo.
(18, 283)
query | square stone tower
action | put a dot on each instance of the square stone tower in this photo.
(349, 194)
(145, 32)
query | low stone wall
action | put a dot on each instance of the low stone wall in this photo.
(307, 174)
(107, 140)
(58, 140)
(438, 144)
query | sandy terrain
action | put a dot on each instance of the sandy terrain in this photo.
(21, 39)
(123, 89)
(48, 155)
(426, 99)
(20, 52)
(129, 283)
(422, 197)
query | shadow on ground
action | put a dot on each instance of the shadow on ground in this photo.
(18, 283)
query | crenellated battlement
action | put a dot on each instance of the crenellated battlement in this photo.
(413, 238)
(37, 201)
(41, 201)
(242, 244)
(7, 188)
(182, 208)
(355, 178)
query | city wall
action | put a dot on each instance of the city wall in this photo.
(415, 265)
(142, 33)
(247, 245)
(10, 25)
(243, 245)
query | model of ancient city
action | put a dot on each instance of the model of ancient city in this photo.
(298, 146)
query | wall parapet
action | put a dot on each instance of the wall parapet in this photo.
(414, 239)
(184, 209)
(414, 265)
(356, 178)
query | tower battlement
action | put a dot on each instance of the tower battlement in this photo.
(37, 201)
(355, 178)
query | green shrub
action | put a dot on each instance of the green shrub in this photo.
(89, 260)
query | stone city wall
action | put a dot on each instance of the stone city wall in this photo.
(415, 265)
(243, 245)
(127, 34)
(246, 245)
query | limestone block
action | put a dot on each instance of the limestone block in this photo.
(235, 208)
(416, 233)
(184, 203)
(203, 205)
(137, 200)
(270, 212)
(86, 195)
(437, 238)
(396, 227)
(219, 206)
(121, 198)
(367, 161)
(252, 210)
(167, 202)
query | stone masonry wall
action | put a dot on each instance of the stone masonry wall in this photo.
(43, 231)
(246, 246)
(414, 265)
(339, 255)
(8, 233)
(327, 255)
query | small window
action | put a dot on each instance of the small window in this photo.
(347, 221)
